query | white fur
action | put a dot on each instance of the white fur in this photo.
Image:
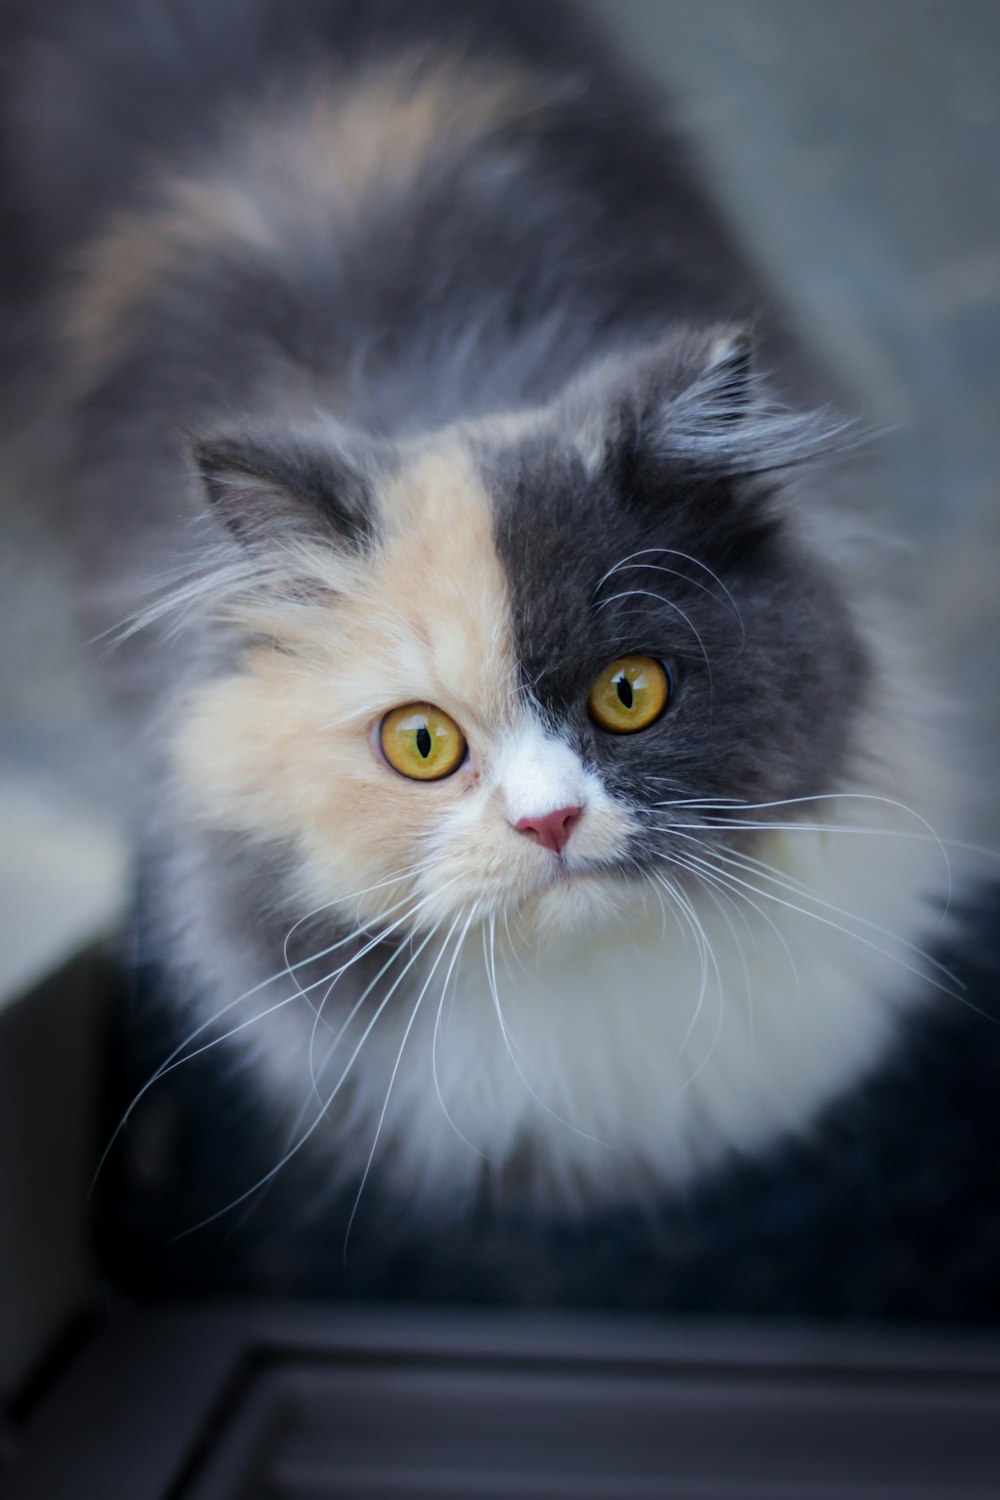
(537, 774)
(641, 1040)
(636, 1058)
(644, 1030)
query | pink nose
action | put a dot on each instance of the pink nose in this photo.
(551, 830)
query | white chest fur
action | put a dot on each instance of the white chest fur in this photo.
(631, 1057)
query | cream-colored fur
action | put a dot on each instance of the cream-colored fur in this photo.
(638, 1029)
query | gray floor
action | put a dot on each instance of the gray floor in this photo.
(857, 144)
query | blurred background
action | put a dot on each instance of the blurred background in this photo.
(857, 147)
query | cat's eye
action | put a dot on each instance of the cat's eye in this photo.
(629, 694)
(420, 741)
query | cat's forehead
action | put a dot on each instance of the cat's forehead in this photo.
(510, 571)
(439, 592)
(489, 577)
(561, 533)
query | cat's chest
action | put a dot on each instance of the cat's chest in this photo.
(630, 1054)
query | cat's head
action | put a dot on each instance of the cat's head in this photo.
(504, 670)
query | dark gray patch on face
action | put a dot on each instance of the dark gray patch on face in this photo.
(649, 557)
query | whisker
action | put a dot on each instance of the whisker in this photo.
(512, 951)
(856, 936)
(679, 859)
(491, 975)
(753, 866)
(649, 594)
(392, 1079)
(347, 900)
(706, 954)
(316, 1074)
(868, 797)
(358, 931)
(434, 1041)
(717, 896)
(728, 602)
(708, 957)
(658, 893)
(373, 942)
(305, 1137)
(170, 1060)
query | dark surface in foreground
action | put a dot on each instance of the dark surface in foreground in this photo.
(305, 1403)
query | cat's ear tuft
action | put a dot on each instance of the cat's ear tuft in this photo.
(274, 488)
(693, 407)
(727, 381)
(723, 418)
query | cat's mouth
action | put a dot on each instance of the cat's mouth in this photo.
(563, 871)
(568, 874)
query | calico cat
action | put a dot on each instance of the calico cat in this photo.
(536, 799)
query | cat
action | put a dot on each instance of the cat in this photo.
(537, 800)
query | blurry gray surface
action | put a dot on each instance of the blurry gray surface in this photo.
(590, 1432)
(63, 879)
(314, 1403)
(857, 145)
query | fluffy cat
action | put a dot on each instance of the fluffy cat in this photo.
(535, 797)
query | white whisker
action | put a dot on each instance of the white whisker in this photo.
(700, 874)
(706, 954)
(315, 1074)
(174, 1058)
(708, 957)
(491, 975)
(858, 937)
(434, 1040)
(748, 864)
(372, 943)
(716, 896)
(305, 1137)
(629, 562)
(649, 594)
(868, 797)
(392, 1079)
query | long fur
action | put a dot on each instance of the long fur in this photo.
(388, 355)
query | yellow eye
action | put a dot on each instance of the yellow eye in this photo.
(421, 742)
(629, 694)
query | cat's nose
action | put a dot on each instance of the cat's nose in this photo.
(552, 829)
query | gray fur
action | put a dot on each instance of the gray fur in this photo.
(769, 669)
(563, 270)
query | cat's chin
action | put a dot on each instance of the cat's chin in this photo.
(577, 903)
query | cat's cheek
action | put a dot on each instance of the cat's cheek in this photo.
(254, 754)
(474, 857)
(605, 831)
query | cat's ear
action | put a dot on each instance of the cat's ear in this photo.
(700, 387)
(698, 401)
(708, 377)
(274, 487)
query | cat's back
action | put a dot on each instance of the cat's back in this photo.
(425, 210)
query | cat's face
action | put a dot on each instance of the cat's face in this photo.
(504, 669)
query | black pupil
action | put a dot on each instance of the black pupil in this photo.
(424, 740)
(624, 690)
